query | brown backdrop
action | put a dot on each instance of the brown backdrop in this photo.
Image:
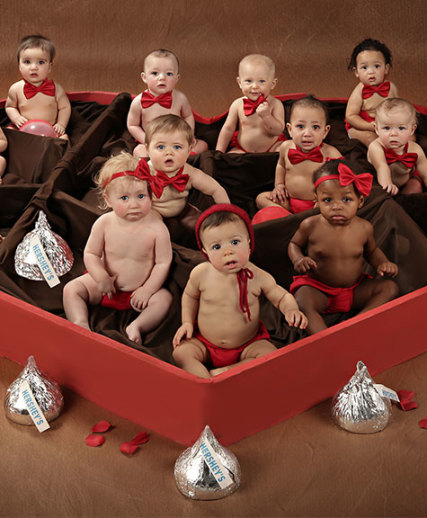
(101, 44)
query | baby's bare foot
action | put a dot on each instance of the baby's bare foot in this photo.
(133, 333)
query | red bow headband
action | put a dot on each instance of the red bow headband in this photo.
(140, 172)
(362, 182)
(225, 207)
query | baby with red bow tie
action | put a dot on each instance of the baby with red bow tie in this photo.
(300, 157)
(35, 97)
(161, 74)
(169, 139)
(400, 163)
(370, 61)
(258, 116)
(127, 255)
(328, 250)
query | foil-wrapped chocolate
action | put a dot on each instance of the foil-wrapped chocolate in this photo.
(31, 385)
(207, 470)
(359, 407)
(43, 254)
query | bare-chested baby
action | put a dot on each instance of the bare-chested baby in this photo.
(220, 304)
(328, 250)
(36, 96)
(128, 253)
(161, 74)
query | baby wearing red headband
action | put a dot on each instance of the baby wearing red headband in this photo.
(336, 242)
(127, 255)
(220, 304)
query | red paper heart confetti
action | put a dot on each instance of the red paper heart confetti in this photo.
(95, 440)
(423, 423)
(101, 427)
(405, 397)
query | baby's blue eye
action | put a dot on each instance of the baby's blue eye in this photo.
(316, 127)
(235, 241)
(216, 247)
(170, 74)
(42, 62)
(124, 198)
(300, 126)
(177, 147)
(262, 81)
(387, 128)
(161, 146)
(402, 128)
(327, 200)
(141, 196)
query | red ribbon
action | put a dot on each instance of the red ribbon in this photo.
(407, 159)
(242, 278)
(47, 88)
(297, 155)
(148, 99)
(142, 172)
(249, 106)
(362, 182)
(383, 89)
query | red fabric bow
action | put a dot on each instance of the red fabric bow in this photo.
(142, 172)
(47, 88)
(407, 159)
(249, 106)
(242, 278)
(148, 99)
(383, 89)
(297, 155)
(161, 180)
(362, 182)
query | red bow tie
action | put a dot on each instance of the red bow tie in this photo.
(362, 182)
(47, 88)
(383, 89)
(297, 155)
(249, 106)
(161, 180)
(407, 159)
(242, 278)
(148, 99)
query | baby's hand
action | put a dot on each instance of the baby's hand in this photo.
(106, 286)
(305, 264)
(140, 298)
(391, 189)
(20, 121)
(388, 268)
(296, 318)
(186, 330)
(59, 130)
(263, 110)
(279, 193)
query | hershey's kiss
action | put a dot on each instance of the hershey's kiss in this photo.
(46, 392)
(358, 407)
(207, 470)
(55, 247)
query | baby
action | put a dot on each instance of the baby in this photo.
(127, 255)
(169, 139)
(35, 96)
(161, 73)
(260, 116)
(220, 304)
(400, 163)
(300, 157)
(328, 250)
(3, 147)
(371, 62)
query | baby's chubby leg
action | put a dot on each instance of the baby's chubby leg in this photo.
(312, 303)
(77, 294)
(190, 355)
(372, 293)
(156, 310)
(252, 351)
(264, 199)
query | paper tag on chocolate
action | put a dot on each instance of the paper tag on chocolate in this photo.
(387, 392)
(33, 408)
(43, 262)
(215, 465)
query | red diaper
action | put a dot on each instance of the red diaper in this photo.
(221, 357)
(298, 205)
(119, 300)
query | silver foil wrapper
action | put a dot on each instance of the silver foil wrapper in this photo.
(57, 250)
(358, 407)
(46, 392)
(207, 470)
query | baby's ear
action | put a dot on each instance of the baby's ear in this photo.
(361, 201)
(238, 81)
(387, 70)
(143, 77)
(106, 199)
(274, 83)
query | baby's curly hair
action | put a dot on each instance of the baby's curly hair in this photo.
(124, 161)
(369, 44)
(37, 41)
